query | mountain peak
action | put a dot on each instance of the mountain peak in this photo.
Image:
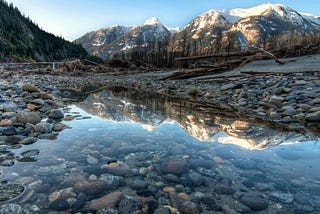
(152, 21)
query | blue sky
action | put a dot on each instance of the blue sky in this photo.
(73, 18)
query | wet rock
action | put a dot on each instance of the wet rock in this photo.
(30, 153)
(152, 206)
(59, 127)
(171, 178)
(196, 178)
(195, 163)
(43, 127)
(128, 206)
(313, 117)
(92, 160)
(246, 164)
(28, 141)
(116, 168)
(223, 189)
(54, 196)
(147, 192)
(10, 208)
(285, 198)
(29, 88)
(138, 184)
(10, 191)
(60, 205)
(6, 122)
(112, 181)
(189, 207)
(10, 139)
(174, 166)
(28, 117)
(110, 200)
(90, 187)
(9, 131)
(56, 114)
(255, 203)
(162, 210)
(81, 200)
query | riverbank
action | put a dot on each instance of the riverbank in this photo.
(278, 94)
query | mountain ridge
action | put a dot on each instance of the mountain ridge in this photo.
(213, 31)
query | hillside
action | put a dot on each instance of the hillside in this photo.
(21, 39)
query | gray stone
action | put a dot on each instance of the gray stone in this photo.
(43, 127)
(313, 117)
(29, 88)
(28, 117)
(56, 114)
(224, 189)
(196, 178)
(285, 198)
(276, 98)
(174, 166)
(28, 141)
(138, 184)
(116, 168)
(255, 203)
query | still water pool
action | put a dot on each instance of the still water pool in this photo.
(129, 154)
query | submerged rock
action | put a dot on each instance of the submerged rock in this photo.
(116, 168)
(174, 166)
(255, 203)
(110, 200)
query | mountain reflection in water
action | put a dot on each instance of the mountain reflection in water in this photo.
(207, 125)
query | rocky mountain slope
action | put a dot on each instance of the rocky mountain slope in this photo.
(113, 41)
(21, 39)
(210, 32)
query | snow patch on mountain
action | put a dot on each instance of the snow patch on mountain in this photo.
(313, 18)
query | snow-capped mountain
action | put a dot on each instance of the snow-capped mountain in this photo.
(220, 28)
(94, 40)
(253, 25)
(113, 41)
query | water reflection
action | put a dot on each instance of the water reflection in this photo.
(204, 124)
(140, 147)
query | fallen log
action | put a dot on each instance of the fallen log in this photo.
(230, 54)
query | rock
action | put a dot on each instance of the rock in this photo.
(54, 196)
(56, 114)
(6, 122)
(59, 127)
(275, 116)
(110, 200)
(10, 208)
(116, 168)
(189, 207)
(255, 203)
(112, 181)
(152, 206)
(138, 184)
(195, 163)
(227, 87)
(246, 164)
(92, 160)
(37, 102)
(60, 205)
(196, 178)
(162, 210)
(28, 141)
(43, 127)
(29, 88)
(285, 198)
(174, 166)
(276, 99)
(171, 178)
(28, 117)
(128, 206)
(9, 131)
(223, 189)
(31, 107)
(313, 117)
(90, 187)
